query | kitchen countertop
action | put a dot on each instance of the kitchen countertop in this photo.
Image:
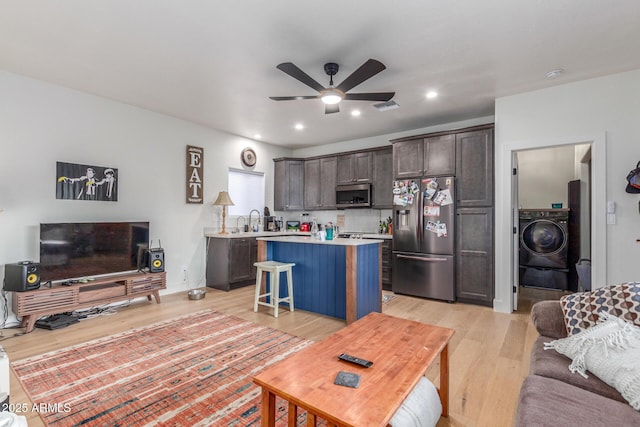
(213, 232)
(308, 239)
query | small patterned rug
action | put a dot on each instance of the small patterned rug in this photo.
(194, 370)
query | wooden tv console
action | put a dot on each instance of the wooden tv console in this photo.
(32, 305)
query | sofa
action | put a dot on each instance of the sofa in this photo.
(552, 395)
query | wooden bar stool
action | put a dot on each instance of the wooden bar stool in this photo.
(274, 268)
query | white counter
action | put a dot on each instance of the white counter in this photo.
(213, 232)
(308, 239)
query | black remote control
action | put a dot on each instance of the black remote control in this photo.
(356, 360)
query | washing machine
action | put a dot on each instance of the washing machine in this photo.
(544, 242)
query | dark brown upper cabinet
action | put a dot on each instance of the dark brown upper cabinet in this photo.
(474, 168)
(320, 183)
(354, 168)
(440, 155)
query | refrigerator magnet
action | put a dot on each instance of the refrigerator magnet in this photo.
(443, 198)
(432, 211)
(441, 229)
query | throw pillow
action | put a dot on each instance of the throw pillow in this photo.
(611, 351)
(583, 309)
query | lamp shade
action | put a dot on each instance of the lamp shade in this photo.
(223, 199)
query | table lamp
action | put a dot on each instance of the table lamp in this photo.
(223, 200)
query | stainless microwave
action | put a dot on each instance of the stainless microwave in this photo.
(353, 196)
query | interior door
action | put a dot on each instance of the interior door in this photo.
(515, 226)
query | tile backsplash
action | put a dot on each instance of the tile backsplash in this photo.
(355, 220)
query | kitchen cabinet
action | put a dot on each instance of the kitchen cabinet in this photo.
(440, 155)
(474, 258)
(230, 262)
(430, 156)
(288, 190)
(468, 155)
(382, 193)
(320, 183)
(354, 168)
(474, 168)
(408, 158)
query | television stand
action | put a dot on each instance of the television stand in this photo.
(31, 305)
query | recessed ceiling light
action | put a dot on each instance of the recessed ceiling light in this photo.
(299, 126)
(432, 94)
(555, 73)
(355, 113)
(257, 136)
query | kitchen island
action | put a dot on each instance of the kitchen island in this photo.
(339, 278)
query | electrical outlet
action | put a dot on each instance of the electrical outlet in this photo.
(184, 273)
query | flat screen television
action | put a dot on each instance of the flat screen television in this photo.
(87, 249)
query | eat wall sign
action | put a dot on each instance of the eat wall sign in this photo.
(195, 161)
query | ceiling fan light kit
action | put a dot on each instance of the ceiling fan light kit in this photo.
(332, 96)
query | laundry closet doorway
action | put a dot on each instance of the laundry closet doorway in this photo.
(552, 221)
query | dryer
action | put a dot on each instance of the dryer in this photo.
(544, 242)
(544, 238)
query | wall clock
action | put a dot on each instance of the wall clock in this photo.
(248, 157)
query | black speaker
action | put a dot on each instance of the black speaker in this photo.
(156, 260)
(22, 276)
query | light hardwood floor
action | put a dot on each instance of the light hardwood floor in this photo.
(489, 352)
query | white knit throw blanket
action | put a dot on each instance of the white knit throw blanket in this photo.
(611, 351)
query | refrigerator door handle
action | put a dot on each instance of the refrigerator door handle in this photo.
(417, 258)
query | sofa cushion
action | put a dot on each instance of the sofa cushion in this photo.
(548, 402)
(583, 309)
(552, 364)
(610, 350)
(548, 319)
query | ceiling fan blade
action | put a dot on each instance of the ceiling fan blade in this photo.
(292, 98)
(300, 75)
(366, 71)
(331, 108)
(380, 96)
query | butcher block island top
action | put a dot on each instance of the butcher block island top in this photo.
(401, 351)
(339, 278)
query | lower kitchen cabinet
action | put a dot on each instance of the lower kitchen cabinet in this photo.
(230, 262)
(474, 270)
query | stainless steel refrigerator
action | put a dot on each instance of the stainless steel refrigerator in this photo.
(423, 237)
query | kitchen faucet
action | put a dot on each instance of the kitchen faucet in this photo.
(251, 213)
(244, 222)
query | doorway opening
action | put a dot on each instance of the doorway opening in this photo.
(551, 197)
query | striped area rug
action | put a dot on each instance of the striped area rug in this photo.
(194, 370)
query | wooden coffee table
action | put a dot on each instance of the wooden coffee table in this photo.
(401, 351)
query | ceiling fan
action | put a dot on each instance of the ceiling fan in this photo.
(331, 95)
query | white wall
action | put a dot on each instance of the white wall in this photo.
(42, 123)
(543, 176)
(604, 111)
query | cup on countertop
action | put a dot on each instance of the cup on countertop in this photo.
(322, 235)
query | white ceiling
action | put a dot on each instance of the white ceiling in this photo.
(214, 62)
